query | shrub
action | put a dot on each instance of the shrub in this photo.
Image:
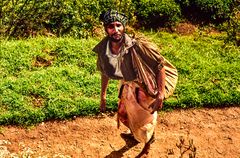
(215, 11)
(155, 13)
(77, 18)
(232, 26)
(25, 18)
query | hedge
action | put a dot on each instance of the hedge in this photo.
(79, 18)
(155, 13)
(215, 11)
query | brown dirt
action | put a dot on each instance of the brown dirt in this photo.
(185, 28)
(215, 133)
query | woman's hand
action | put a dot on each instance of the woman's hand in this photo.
(157, 104)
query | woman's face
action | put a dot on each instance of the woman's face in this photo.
(115, 31)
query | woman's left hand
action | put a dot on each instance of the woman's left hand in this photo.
(157, 104)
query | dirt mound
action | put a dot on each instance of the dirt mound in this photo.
(185, 29)
(203, 133)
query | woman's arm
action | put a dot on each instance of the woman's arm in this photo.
(104, 85)
(158, 103)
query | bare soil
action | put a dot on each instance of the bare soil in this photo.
(203, 133)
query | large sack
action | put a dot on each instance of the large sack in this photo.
(146, 73)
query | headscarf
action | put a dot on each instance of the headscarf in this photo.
(113, 15)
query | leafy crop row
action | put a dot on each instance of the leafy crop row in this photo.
(56, 78)
(45, 78)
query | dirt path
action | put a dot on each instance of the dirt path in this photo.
(215, 133)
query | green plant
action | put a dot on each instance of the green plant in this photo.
(32, 91)
(152, 13)
(75, 18)
(206, 11)
(56, 78)
(232, 26)
(208, 72)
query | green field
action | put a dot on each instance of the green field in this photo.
(56, 78)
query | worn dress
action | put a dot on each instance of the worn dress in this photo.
(136, 66)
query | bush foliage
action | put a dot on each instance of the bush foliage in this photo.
(76, 18)
(215, 11)
(79, 18)
(155, 13)
(25, 18)
(232, 25)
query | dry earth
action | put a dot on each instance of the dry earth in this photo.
(214, 133)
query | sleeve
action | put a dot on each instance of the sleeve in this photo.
(99, 66)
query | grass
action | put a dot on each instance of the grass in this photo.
(56, 78)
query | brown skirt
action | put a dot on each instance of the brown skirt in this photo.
(134, 112)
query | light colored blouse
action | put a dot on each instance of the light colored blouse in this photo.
(115, 60)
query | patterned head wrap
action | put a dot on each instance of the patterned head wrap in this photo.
(113, 15)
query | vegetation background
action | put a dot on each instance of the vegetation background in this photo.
(48, 70)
